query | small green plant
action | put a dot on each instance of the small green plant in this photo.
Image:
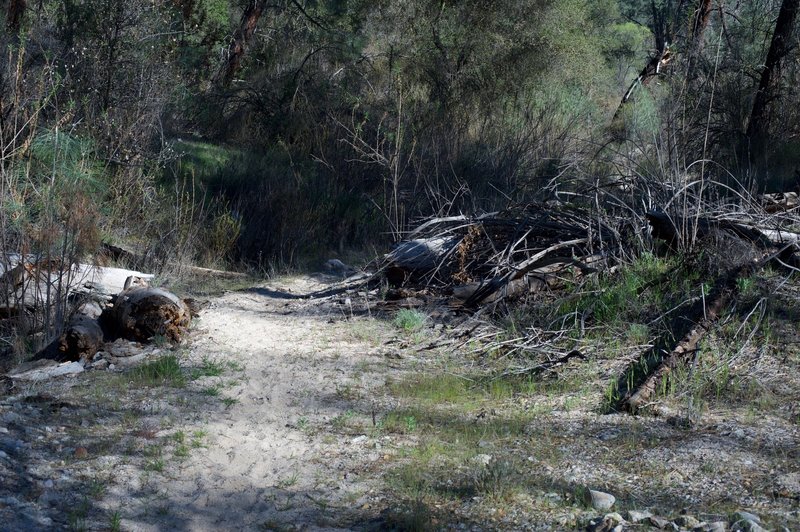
(229, 401)
(156, 465)
(746, 286)
(208, 368)
(288, 481)
(302, 423)
(96, 489)
(181, 451)
(341, 421)
(411, 423)
(410, 320)
(115, 522)
(211, 391)
(197, 438)
(164, 371)
(77, 516)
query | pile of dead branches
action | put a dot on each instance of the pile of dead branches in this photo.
(500, 255)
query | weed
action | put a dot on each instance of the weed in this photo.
(115, 522)
(197, 439)
(77, 517)
(179, 437)
(289, 481)
(229, 401)
(347, 392)
(208, 368)
(341, 421)
(234, 365)
(181, 451)
(410, 320)
(211, 391)
(97, 489)
(156, 465)
(164, 371)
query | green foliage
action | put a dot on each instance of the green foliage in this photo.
(410, 320)
(623, 296)
(165, 371)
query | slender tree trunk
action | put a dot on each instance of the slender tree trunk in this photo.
(239, 43)
(652, 69)
(16, 9)
(757, 126)
(699, 24)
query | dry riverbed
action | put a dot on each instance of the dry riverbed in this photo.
(283, 413)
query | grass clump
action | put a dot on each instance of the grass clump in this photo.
(166, 371)
(410, 320)
(208, 368)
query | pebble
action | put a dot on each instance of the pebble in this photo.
(600, 500)
(745, 516)
(635, 516)
(716, 526)
(359, 439)
(659, 522)
(687, 521)
(48, 483)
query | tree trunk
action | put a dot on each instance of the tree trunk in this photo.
(16, 9)
(81, 339)
(757, 127)
(699, 24)
(142, 313)
(239, 43)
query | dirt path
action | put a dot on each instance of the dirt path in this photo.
(270, 432)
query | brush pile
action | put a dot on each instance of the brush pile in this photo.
(488, 258)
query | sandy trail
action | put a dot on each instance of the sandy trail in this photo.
(271, 460)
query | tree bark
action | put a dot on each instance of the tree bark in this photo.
(241, 38)
(142, 313)
(757, 127)
(16, 10)
(81, 339)
(699, 24)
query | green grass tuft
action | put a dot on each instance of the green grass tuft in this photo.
(166, 371)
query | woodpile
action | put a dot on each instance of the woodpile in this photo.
(142, 313)
(111, 306)
(486, 259)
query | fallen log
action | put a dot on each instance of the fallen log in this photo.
(82, 338)
(39, 370)
(142, 313)
(685, 348)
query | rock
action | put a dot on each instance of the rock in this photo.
(599, 500)
(745, 516)
(788, 486)
(81, 453)
(44, 369)
(687, 521)
(602, 524)
(716, 526)
(338, 268)
(636, 516)
(747, 526)
(614, 516)
(100, 364)
(659, 522)
(482, 459)
(359, 439)
(121, 348)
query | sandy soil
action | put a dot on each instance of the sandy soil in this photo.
(250, 449)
